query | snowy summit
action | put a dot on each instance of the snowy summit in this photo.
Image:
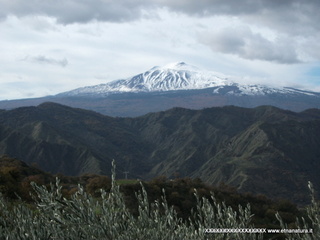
(175, 77)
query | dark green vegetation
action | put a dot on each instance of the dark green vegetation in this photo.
(262, 150)
(180, 208)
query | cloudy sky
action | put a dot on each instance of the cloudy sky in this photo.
(51, 46)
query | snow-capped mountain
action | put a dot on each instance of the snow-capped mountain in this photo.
(172, 77)
(175, 85)
(178, 76)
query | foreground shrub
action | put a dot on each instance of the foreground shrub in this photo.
(310, 224)
(85, 217)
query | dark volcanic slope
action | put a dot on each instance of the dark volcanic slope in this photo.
(264, 150)
(67, 140)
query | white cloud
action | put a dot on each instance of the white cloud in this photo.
(40, 59)
(246, 44)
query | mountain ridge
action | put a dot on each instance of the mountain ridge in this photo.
(262, 150)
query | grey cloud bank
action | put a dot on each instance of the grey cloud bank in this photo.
(270, 12)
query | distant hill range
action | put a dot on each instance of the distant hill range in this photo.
(262, 150)
(175, 85)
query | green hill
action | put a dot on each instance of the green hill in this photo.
(262, 150)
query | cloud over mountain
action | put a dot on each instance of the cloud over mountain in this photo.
(263, 39)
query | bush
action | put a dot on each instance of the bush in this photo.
(311, 224)
(84, 217)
